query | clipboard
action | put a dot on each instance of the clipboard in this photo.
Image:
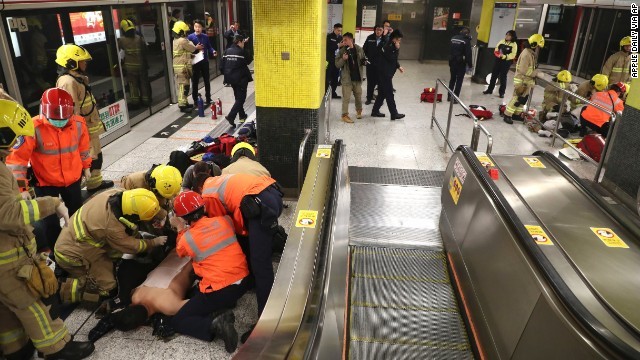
(197, 58)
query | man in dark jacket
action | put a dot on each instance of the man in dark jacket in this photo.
(237, 74)
(371, 51)
(459, 60)
(387, 65)
(231, 33)
(334, 42)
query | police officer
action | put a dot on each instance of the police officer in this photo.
(26, 323)
(459, 60)
(135, 64)
(237, 74)
(387, 66)
(372, 51)
(72, 60)
(334, 42)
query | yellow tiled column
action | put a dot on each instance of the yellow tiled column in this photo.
(349, 9)
(290, 70)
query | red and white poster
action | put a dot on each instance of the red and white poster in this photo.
(87, 27)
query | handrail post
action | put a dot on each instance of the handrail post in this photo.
(303, 144)
(614, 117)
(475, 136)
(560, 112)
(446, 135)
(489, 143)
(327, 136)
(530, 97)
(435, 101)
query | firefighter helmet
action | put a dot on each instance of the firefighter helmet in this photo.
(140, 202)
(625, 41)
(56, 104)
(187, 202)
(126, 25)
(536, 40)
(68, 56)
(600, 82)
(242, 145)
(165, 180)
(564, 76)
(15, 121)
(181, 28)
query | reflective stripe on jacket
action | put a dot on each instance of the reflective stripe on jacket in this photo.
(217, 256)
(223, 194)
(182, 50)
(85, 104)
(602, 98)
(617, 67)
(57, 155)
(526, 68)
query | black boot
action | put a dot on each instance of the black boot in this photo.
(487, 92)
(105, 184)
(72, 351)
(222, 326)
(104, 326)
(25, 353)
(231, 122)
(246, 335)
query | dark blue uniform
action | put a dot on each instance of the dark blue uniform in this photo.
(387, 64)
(332, 71)
(237, 74)
(372, 51)
(459, 59)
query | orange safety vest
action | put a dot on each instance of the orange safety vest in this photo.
(217, 256)
(223, 194)
(602, 98)
(57, 155)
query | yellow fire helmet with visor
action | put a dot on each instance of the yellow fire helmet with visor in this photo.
(68, 56)
(15, 122)
(140, 202)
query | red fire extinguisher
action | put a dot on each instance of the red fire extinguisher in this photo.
(214, 115)
(219, 106)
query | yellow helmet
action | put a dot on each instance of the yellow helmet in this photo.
(180, 28)
(242, 145)
(564, 76)
(140, 202)
(625, 41)
(165, 180)
(628, 86)
(600, 82)
(68, 56)
(15, 121)
(536, 40)
(126, 25)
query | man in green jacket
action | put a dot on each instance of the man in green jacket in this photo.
(351, 60)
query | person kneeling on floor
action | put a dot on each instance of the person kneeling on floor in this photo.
(220, 263)
(553, 96)
(596, 119)
(99, 233)
(243, 161)
(207, 167)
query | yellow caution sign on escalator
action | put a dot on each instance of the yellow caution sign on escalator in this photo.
(609, 238)
(534, 162)
(538, 235)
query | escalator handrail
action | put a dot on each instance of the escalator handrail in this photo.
(562, 290)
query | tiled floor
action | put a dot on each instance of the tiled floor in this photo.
(409, 143)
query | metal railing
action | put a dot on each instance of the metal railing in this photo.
(477, 127)
(324, 133)
(303, 144)
(565, 95)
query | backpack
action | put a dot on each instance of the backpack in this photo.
(481, 112)
(592, 145)
(429, 95)
(227, 142)
(180, 160)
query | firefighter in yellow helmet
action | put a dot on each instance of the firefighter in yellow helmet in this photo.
(25, 321)
(72, 60)
(135, 64)
(588, 87)
(524, 79)
(243, 161)
(99, 233)
(553, 96)
(163, 180)
(182, 53)
(617, 66)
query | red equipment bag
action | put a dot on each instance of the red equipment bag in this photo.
(481, 112)
(429, 95)
(592, 145)
(227, 142)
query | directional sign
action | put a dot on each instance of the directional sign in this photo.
(174, 127)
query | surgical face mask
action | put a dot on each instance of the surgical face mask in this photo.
(59, 123)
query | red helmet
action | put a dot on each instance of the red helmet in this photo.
(56, 104)
(622, 86)
(187, 202)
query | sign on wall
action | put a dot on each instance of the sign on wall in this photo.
(114, 117)
(504, 17)
(369, 16)
(440, 18)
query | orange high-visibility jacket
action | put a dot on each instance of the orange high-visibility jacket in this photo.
(57, 155)
(604, 99)
(222, 195)
(217, 256)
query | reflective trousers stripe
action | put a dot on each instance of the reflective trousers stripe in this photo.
(15, 254)
(65, 260)
(10, 336)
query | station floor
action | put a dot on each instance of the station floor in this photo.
(409, 143)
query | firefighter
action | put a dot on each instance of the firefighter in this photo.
(524, 79)
(26, 322)
(72, 60)
(163, 180)
(597, 120)
(243, 161)
(588, 87)
(220, 263)
(616, 68)
(135, 64)
(182, 53)
(553, 96)
(102, 230)
(59, 155)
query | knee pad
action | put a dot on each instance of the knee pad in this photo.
(71, 290)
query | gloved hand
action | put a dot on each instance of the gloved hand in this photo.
(567, 105)
(159, 241)
(573, 87)
(42, 281)
(540, 75)
(25, 195)
(86, 173)
(63, 213)
(178, 223)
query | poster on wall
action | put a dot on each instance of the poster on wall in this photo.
(114, 117)
(87, 27)
(334, 13)
(440, 18)
(369, 16)
(504, 16)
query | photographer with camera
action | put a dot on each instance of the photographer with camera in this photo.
(351, 60)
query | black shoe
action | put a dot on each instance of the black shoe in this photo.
(245, 336)
(336, 96)
(231, 122)
(222, 326)
(487, 92)
(104, 326)
(105, 184)
(394, 90)
(397, 116)
(242, 119)
(377, 114)
(208, 102)
(186, 108)
(72, 351)
(161, 327)
(517, 117)
(368, 102)
(25, 353)
(501, 96)
(508, 119)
